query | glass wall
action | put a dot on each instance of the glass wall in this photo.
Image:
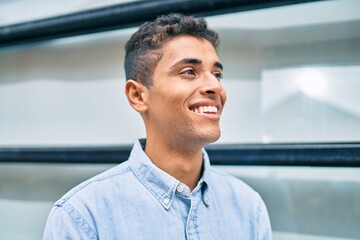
(291, 74)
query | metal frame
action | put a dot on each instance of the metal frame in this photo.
(123, 16)
(325, 155)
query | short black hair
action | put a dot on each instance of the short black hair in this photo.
(144, 48)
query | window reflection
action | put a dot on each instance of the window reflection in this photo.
(311, 104)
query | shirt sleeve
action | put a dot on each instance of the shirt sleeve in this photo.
(264, 226)
(65, 224)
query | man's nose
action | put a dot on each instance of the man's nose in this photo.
(211, 85)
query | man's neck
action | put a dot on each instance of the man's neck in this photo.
(184, 164)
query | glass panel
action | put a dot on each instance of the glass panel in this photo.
(307, 203)
(13, 12)
(291, 73)
(303, 203)
(67, 92)
(28, 191)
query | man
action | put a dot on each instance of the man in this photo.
(167, 189)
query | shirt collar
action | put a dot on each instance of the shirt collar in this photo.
(159, 183)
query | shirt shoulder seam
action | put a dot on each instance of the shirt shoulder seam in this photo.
(99, 178)
(78, 219)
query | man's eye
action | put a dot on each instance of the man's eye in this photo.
(218, 75)
(188, 71)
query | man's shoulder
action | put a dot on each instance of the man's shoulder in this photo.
(99, 183)
(77, 212)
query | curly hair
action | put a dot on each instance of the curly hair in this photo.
(145, 47)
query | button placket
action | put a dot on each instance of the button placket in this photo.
(191, 223)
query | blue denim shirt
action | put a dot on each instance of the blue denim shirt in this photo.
(137, 200)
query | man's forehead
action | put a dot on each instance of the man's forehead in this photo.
(186, 42)
(190, 50)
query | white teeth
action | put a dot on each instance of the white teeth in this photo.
(205, 109)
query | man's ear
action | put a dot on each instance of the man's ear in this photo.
(137, 95)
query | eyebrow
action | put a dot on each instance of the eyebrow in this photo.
(219, 65)
(194, 61)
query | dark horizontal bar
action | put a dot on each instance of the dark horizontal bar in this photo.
(329, 155)
(325, 155)
(123, 16)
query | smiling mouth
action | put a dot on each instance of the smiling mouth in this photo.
(205, 109)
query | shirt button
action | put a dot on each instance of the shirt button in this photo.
(180, 188)
(166, 201)
(191, 223)
(206, 199)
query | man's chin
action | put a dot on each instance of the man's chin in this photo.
(211, 137)
(201, 136)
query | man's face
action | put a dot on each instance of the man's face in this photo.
(186, 98)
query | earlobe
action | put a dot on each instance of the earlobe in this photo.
(136, 94)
